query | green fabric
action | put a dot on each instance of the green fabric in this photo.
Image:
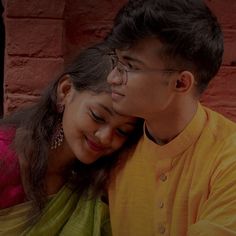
(15, 219)
(70, 215)
(65, 214)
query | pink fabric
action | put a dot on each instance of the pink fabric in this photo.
(11, 189)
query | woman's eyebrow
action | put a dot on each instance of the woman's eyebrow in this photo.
(132, 59)
(111, 112)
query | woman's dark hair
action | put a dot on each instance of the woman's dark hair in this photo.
(34, 129)
(191, 36)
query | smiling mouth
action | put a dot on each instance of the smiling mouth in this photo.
(94, 146)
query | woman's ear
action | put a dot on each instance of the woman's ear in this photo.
(184, 82)
(64, 88)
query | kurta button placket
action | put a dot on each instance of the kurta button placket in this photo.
(163, 166)
(161, 205)
(161, 229)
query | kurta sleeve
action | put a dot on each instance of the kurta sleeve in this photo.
(217, 215)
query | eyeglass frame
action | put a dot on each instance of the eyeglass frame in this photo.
(125, 70)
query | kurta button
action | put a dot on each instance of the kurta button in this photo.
(163, 177)
(161, 204)
(161, 229)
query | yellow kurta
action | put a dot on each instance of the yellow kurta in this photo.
(186, 187)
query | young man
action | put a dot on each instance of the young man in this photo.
(181, 178)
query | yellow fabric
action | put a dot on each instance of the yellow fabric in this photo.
(186, 187)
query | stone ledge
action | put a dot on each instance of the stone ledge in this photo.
(16, 101)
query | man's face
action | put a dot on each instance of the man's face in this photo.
(141, 83)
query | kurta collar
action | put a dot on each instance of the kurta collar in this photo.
(181, 142)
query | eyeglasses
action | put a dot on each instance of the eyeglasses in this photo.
(124, 70)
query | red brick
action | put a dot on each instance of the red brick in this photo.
(88, 22)
(29, 76)
(32, 8)
(221, 95)
(230, 47)
(90, 10)
(33, 37)
(225, 12)
(85, 36)
(16, 101)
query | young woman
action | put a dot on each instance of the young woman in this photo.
(56, 156)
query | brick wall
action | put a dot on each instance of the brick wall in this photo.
(41, 35)
(34, 48)
(221, 93)
(87, 22)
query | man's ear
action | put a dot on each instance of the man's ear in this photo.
(64, 88)
(184, 82)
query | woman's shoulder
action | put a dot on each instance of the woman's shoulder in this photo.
(7, 133)
(6, 138)
(10, 179)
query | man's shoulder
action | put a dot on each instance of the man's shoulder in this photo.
(220, 126)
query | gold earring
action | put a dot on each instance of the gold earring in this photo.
(58, 133)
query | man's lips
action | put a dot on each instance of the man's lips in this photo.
(94, 146)
(116, 95)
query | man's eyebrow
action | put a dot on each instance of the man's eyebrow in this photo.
(130, 58)
(124, 55)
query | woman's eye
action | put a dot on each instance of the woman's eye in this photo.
(122, 133)
(96, 117)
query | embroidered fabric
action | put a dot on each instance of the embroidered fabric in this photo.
(11, 188)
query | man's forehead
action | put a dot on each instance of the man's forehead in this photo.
(144, 52)
(150, 45)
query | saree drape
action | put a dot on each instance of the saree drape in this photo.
(66, 213)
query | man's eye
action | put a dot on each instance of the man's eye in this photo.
(131, 67)
(96, 117)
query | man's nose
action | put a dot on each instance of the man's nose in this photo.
(114, 78)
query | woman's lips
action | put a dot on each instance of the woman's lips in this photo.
(95, 146)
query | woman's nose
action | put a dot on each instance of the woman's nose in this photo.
(105, 136)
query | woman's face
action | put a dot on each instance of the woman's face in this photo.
(92, 129)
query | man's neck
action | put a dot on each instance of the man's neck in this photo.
(162, 128)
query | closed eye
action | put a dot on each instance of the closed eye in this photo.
(96, 117)
(131, 67)
(122, 133)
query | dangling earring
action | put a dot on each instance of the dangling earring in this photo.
(58, 133)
